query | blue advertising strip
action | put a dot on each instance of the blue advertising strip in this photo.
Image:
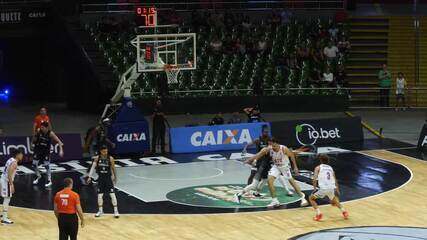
(214, 138)
(130, 137)
(72, 147)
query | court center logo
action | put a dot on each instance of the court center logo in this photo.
(366, 233)
(306, 134)
(222, 196)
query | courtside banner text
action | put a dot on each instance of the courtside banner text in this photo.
(318, 131)
(72, 147)
(422, 141)
(214, 138)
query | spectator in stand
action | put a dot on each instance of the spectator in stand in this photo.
(275, 19)
(240, 46)
(384, 78)
(254, 114)
(315, 78)
(262, 45)
(322, 33)
(228, 45)
(331, 52)
(217, 120)
(216, 45)
(344, 45)
(340, 76)
(286, 16)
(328, 77)
(41, 117)
(333, 32)
(235, 118)
(302, 53)
(246, 24)
(400, 91)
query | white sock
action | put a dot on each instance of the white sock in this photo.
(6, 202)
(100, 202)
(48, 173)
(251, 186)
(318, 211)
(114, 202)
(261, 185)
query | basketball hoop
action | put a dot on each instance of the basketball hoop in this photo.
(172, 72)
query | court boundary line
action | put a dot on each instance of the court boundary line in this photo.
(261, 212)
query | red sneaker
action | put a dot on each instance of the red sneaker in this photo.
(345, 214)
(318, 217)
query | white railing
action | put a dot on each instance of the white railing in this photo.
(218, 5)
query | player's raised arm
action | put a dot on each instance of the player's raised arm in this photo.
(59, 142)
(291, 155)
(259, 155)
(92, 169)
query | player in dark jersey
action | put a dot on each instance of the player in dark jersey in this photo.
(42, 143)
(260, 143)
(96, 137)
(104, 166)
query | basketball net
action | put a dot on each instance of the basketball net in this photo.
(172, 72)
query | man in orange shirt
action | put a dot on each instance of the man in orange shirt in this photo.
(66, 205)
(41, 117)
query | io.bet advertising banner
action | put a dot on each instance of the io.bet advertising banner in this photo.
(318, 131)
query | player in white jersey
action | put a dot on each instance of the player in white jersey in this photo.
(6, 181)
(281, 166)
(325, 185)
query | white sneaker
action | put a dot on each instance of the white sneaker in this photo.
(6, 221)
(237, 198)
(116, 215)
(36, 181)
(274, 203)
(304, 203)
(48, 184)
(99, 214)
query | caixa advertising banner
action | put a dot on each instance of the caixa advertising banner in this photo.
(130, 137)
(318, 131)
(214, 138)
(72, 147)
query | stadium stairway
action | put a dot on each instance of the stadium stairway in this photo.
(99, 63)
(369, 45)
(401, 52)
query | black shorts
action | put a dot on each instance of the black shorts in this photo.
(41, 157)
(263, 169)
(68, 225)
(105, 184)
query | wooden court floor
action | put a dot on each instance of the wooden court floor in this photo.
(406, 206)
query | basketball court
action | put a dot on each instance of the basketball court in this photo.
(191, 194)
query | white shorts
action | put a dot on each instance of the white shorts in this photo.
(276, 171)
(5, 189)
(322, 193)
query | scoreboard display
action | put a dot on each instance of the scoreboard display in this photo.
(146, 16)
